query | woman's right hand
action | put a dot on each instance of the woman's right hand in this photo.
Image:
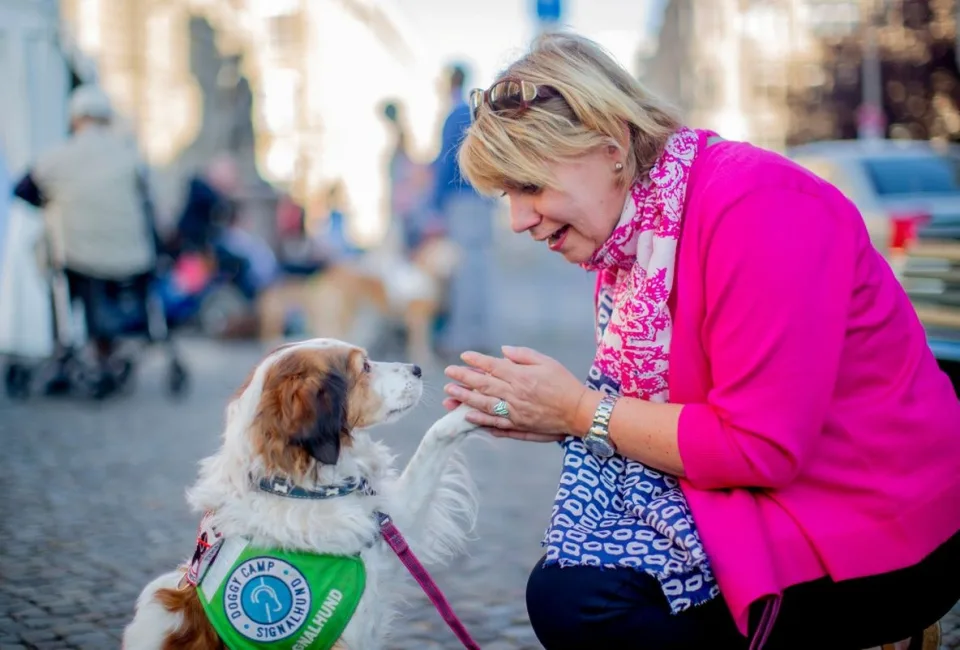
(527, 436)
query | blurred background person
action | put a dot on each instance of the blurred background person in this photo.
(467, 218)
(221, 264)
(410, 183)
(93, 191)
(207, 207)
(298, 253)
(331, 234)
(5, 188)
(246, 256)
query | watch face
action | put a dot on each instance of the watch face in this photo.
(599, 446)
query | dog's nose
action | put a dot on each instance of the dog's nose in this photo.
(417, 372)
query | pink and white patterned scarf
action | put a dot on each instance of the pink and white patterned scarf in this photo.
(615, 512)
(636, 272)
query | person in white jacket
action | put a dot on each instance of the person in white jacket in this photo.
(93, 190)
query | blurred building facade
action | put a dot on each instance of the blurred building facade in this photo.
(730, 65)
(35, 75)
(781, 72)
(287, 86)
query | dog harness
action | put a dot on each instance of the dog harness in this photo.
(288, 600)
(267, 598)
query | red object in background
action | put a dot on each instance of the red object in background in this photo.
(904, 229)
(289, 218)
(191, 273)
(871, 121)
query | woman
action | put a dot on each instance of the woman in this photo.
(765, 448)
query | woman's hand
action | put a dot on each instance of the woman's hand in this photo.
(542, 396)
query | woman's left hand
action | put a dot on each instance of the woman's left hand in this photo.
(541, 395)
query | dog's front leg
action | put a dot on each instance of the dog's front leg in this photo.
(435, 489)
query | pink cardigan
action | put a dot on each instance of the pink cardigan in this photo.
(818, 435)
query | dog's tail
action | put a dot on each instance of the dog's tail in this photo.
(195, 631)
(172, 618)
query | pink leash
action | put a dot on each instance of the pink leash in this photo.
(399, 545)
(767, 620)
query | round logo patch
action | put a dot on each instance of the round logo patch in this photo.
(266, 599)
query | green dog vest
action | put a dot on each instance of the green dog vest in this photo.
(259, 598)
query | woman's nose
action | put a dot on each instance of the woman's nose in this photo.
(522, 215)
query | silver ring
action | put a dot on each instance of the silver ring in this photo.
(501, 409)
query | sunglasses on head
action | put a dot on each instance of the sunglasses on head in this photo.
(509, 95)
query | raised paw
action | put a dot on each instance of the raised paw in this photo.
(454, 423)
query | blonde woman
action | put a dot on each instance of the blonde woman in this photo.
(765, 452)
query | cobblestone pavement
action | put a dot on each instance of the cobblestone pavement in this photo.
(92, 507)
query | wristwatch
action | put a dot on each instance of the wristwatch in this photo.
(597, 440)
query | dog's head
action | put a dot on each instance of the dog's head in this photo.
(305, 399)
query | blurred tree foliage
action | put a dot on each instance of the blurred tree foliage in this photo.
(917, 43)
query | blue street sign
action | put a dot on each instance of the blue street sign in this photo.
(548, 10)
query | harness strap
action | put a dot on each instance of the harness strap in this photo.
(399, 545)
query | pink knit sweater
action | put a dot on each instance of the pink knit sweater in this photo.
(819, 436)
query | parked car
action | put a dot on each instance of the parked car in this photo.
(909, 195)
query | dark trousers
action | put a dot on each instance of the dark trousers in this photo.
(111, 307)
(585, 607)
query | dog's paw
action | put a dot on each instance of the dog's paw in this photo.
(454, 423)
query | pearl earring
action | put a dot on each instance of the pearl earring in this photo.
(618, 167)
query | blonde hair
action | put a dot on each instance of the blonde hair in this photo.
(599, 103)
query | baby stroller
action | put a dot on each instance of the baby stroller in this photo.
(127, 311)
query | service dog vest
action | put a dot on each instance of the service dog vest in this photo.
(264, 598)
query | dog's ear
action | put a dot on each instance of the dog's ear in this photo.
(322, 438)
(302, 415)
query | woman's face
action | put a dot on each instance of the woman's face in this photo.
(577, 219)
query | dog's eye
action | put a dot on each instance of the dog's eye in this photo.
(366, 366)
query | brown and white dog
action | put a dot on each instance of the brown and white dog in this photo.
(303, 416)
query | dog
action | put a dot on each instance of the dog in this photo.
(409, 291)
(295, 451)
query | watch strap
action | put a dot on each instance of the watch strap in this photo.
(601, 417)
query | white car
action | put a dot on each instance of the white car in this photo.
(909, 195)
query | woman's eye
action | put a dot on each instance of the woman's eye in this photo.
(522, 188)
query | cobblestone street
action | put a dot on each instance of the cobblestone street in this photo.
(92, 500)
